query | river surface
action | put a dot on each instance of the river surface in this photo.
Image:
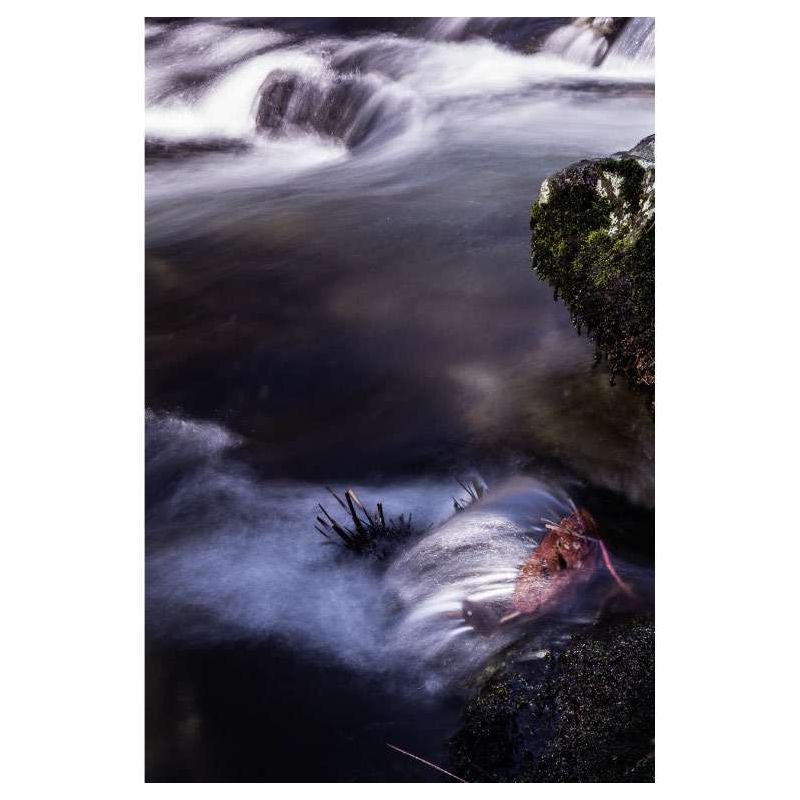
(339, 293)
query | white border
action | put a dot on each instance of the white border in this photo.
(72, 329)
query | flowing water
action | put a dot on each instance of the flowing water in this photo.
(338, 292)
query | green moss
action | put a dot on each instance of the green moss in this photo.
(596, 248)
(632, 174)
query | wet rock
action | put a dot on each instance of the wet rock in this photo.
(584, 713)
(593, 240)
(345, 108)
(276, 93)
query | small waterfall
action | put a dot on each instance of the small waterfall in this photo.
(635, 45)
(349, 108)
(584, 41)
(475, 555)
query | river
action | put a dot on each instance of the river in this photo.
(339, 293)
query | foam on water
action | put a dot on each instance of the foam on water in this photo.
(198, 49)
(227, 106)
(405, 84)
(217, 44)
(229, 556)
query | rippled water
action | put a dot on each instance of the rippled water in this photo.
(339, 293)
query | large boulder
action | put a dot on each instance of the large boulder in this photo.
(593, 240)
(582, 713)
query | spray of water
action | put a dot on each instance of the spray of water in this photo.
(474, 556)
(634, 50)
(230, 556)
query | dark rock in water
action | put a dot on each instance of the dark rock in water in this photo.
(583, 714)
(340, 109)
(340, 115)
(593, 240)
(277, 92)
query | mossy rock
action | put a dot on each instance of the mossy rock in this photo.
(584, 713)
(593, 240)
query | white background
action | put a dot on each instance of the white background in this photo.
(72, 396)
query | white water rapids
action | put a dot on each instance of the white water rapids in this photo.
(206, 80)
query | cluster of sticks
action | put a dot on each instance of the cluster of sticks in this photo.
(474, 489)
(368, 534)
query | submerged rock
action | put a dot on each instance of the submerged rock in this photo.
(593, 240)
(582, 714)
